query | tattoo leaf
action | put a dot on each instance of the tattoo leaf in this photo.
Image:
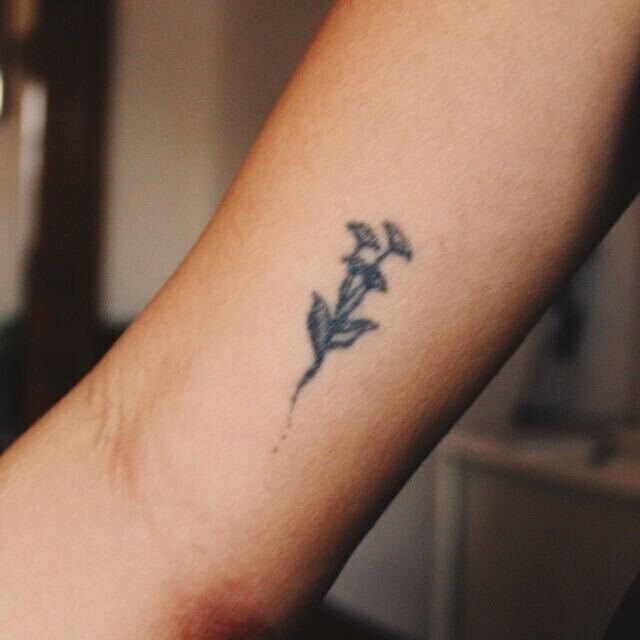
(359, 324)
(348, 331)
(343, 341)
(319, 325)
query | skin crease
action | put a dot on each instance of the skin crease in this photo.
(502, 139)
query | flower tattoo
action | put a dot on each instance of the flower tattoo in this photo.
(338, 328)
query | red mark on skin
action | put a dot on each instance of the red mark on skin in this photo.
(207, 617)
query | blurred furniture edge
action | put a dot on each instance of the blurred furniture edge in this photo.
(532, 539)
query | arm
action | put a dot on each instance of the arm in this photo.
(212, 474)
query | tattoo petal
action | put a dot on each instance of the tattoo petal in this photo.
(355, 264)
(373, 278)
(398, 243)
(365, 235)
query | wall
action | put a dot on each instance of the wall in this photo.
(10, 255)
(161, 175)
(193, 81)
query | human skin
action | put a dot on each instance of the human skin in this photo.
(159, 499)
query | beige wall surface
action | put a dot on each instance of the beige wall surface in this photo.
(161, 170)
(192, 84)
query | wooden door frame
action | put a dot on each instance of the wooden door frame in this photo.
(70, 52)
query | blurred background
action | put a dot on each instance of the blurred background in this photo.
(122, 123)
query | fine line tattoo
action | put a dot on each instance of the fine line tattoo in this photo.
(340, 329)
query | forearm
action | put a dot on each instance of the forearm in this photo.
(488, 135)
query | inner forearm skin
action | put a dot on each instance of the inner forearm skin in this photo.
(488, 135)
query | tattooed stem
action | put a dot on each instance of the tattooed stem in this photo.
(383, 255)
(310, 373)
(342, 311)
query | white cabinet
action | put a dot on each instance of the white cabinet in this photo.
(533, 541)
